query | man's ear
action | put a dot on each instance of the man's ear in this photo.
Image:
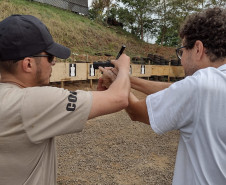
(27, 64)
(199, 49)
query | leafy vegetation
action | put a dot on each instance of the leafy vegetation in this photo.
(82, 35)
(152, 18)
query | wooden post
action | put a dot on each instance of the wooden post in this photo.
(62, 84)
(149, 63)
(91, 83)
(169, 72)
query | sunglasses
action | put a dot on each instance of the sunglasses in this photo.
(179, 51)
(49, 57)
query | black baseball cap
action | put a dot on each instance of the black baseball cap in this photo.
(25, 35)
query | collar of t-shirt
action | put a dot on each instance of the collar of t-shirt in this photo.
(222, 68)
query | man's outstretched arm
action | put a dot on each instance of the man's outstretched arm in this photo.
(137, 109)
(115, 98)
(146, 86)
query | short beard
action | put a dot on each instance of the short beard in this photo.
(189, 67)
(39, 81)
(191, 71)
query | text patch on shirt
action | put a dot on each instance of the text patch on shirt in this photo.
(72, 99)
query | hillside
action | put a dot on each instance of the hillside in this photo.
(83, 36)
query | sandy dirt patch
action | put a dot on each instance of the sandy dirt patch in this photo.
(113, 150)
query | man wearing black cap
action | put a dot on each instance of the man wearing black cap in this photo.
(32, 114)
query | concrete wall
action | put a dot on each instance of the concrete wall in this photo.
(78, 6)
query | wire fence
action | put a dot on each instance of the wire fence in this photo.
(77, 6)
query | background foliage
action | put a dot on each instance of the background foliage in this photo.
(82, 35)
(151, 18)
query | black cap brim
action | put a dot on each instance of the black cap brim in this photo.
(58, 51)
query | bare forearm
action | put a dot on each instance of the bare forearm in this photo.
(146, 86)
(121, 85)
(115, 98)
(137, 109)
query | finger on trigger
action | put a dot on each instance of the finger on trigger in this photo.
(102, 69)
(109, 68)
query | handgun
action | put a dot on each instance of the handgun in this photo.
(108, 62)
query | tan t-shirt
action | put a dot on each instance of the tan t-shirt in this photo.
(30, 118)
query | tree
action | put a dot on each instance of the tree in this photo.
(171, 14)
(157, 18)
(100, 9)
(136, 16)
(210, 3)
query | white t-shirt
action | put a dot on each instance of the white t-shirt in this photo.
(197, 107)
(30, 118)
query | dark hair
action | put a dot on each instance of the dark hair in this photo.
(209, 27)
(11, 65)
(8, 66)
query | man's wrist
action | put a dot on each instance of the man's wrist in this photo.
(124, 70)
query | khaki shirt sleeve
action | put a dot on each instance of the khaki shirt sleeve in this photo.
(49, 111)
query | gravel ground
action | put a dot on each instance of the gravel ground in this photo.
(113, 150)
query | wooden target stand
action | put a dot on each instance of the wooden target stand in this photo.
(63, 72)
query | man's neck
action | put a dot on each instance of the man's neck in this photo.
(13, 80)
(218, 63)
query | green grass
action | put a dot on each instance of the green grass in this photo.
(80, 34)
